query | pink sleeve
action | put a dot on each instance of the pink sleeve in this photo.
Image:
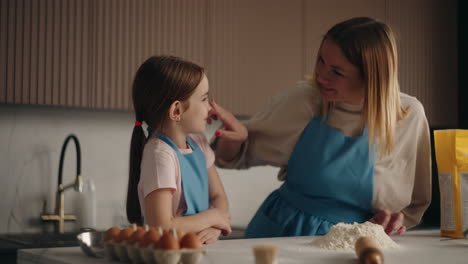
(158, 169)
(202, 142)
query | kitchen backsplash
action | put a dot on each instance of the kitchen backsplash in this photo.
(31, 138)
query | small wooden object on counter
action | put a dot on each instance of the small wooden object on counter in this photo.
(265, 254)
(368, 252)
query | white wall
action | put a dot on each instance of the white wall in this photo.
(31, 138)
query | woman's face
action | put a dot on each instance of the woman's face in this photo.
(337, 78)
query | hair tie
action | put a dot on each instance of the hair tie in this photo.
(138, 123)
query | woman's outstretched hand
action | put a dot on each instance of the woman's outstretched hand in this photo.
(233, 129)
(391, 222)
(233, 134)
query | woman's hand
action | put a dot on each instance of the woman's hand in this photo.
(230, 138)
(209, 235)
(391, 222)
(233, 129)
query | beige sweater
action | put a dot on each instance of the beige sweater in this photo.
(402, 180)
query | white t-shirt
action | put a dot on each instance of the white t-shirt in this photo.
(160, 169)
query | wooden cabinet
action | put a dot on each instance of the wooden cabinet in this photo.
(84, 53)
(44, 52)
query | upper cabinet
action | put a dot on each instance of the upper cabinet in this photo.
(84, 53)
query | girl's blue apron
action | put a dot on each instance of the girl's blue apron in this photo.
(194, 176)
(330, 180)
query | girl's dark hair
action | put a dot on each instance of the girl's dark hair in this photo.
(159, 82)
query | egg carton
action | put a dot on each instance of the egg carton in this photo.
(125, 252)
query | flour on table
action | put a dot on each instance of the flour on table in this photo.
(343, 236)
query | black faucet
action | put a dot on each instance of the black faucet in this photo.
(59, 217)
(78, 161)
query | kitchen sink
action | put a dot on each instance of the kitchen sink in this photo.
(41, 240)
(46, 240)
(11, 243)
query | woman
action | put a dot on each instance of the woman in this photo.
(350, 146)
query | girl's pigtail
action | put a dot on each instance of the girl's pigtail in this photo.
(136, 151)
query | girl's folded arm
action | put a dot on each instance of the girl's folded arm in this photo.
(218, 198)
(158, 212)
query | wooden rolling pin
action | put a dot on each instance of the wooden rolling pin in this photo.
(368, 252)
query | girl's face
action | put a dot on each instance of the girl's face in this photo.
(338, 79)
(193, 120)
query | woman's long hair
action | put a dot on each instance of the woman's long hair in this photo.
(370, 46)
(159, 82)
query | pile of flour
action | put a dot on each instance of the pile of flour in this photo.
(343, 236)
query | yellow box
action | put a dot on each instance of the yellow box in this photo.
(451, 149)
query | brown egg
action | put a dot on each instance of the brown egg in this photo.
(125, 234)
(151, 236)
(180, 234)
(137, 236)
(168, 242)
(112, 233)
(190, 240)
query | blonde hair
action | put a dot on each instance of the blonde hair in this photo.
(370, 46)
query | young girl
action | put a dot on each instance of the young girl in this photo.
(173, 181)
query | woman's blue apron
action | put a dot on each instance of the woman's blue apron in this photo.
(194, 176)
(330, 180)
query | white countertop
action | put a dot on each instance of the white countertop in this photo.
(422, 246)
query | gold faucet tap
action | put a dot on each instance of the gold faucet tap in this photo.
(60, 217)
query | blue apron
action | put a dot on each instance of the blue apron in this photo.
(330, 180)
(194, 176)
